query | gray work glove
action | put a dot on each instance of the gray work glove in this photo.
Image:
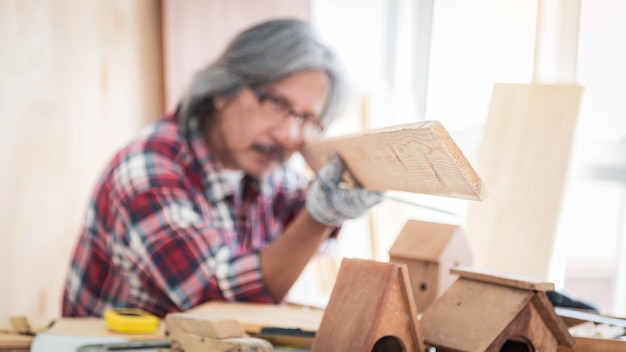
(329, 201)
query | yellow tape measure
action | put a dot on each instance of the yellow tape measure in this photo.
(131, 321)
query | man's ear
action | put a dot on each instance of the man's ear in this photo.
(219, 102)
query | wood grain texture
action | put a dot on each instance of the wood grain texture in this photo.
(418, 157)
(429, 251)
(528, 328)
(482, 311)
(425, 240)
(556, 325)
(78, 79)
(203, 326)
(524, 158)
(15, 343)
(371, 300)
(253, 316)
(186, 342)
(195, 32)
(471, 315)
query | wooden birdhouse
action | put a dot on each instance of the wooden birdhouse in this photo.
(429, 251)
(485, 311)
(370, 310)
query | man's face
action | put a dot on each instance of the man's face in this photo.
(258, 131)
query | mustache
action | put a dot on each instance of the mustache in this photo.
(275, 151)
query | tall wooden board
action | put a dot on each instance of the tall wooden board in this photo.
(371, 308)
(524, 158)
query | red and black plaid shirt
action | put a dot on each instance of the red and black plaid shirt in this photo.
(164, 233)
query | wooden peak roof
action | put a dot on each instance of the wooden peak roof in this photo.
(501, 303)
(426, 240)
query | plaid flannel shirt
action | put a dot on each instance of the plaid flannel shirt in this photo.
(164, 233)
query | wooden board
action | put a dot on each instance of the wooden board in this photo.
(515, 281)
(10, 342)
(203, 326)
(80, 78)
(253, 316)
(418, 157)
(524, 158)
(424, 240)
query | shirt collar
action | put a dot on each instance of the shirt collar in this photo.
(216, 186)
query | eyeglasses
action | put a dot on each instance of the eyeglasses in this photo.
(279, 109)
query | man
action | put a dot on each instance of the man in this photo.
(202, 206)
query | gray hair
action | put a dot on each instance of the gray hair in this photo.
(264, 53)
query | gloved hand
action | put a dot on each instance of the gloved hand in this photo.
(329, 201)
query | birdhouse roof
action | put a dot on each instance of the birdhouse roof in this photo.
(493, 300)
(425, 240)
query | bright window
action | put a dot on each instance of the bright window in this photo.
(474, 44)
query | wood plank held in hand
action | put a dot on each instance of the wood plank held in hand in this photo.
(418, 157)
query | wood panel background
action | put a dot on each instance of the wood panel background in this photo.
(196, 31)
(524, 159)
(77, 80)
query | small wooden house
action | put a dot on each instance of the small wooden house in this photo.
(488, 312)
(429, 251)
(370, 310)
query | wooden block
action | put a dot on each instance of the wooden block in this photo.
(418, 157)
(204, 326)
(20, 324)
(371, 308)
(256, 318)
(429, 251)
(15, 343)
(524, 157)
(186, 342)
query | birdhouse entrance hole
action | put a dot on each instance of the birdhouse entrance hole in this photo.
(388, 344)
(517, 345)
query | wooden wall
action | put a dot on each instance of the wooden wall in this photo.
(77, 80)
(196, 31)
